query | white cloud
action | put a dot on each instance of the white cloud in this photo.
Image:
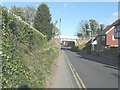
(109, 21)
(115, 14)
(114, 17)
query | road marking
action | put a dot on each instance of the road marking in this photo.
(75, 74)
(72, 71)
(78, 76)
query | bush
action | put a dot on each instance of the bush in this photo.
(19, 41)
(81, 47)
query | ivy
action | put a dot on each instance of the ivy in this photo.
(27, 56)
(16, 32)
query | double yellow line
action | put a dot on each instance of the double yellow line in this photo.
(75, 74)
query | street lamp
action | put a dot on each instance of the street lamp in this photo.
(91, 38)
(91, 35)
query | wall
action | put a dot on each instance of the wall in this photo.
(110, 40)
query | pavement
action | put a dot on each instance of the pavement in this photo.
(61, 75)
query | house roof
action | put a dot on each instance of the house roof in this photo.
(106, 29)
(117, 22)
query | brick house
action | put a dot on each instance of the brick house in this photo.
(110, 40)
(105, 39)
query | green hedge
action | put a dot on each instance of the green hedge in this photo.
(18, 39)
(81, 47)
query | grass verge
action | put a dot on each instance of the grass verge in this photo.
(39, 63)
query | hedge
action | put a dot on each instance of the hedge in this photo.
(18, 39)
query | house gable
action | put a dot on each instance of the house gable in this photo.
(110, 41)
(113, 27)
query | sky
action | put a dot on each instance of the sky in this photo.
(71, 13)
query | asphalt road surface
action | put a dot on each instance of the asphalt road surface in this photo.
(94, 72)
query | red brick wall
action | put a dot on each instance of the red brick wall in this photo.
(110, 41)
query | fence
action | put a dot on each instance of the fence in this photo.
(110, 53)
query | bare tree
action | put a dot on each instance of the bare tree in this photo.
(83, 27)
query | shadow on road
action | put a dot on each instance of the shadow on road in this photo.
(108, 62)
(111, 67)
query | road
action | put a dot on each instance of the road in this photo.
(94, 72)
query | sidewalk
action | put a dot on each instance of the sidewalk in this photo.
(60, 77)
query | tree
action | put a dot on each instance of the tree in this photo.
(26, 13)
(18, 11)
(29, 13)
(102, 26)
(55, 31)
(42, 20)
(80, 35)
(83, 28)
(86, 28)
(94, 25)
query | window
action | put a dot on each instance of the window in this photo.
(116, 35)
(113, 37)
(117, 32)
(118, 28)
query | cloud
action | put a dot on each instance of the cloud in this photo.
(113, 18)
(115, 14)
(109, 21)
